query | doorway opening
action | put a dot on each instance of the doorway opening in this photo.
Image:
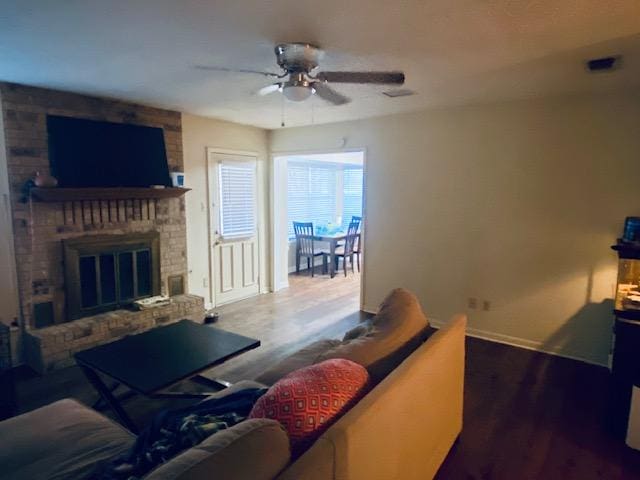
(325, 190)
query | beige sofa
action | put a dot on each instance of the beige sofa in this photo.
(402, 429)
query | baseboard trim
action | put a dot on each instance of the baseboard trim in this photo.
(519, 343)
(281, 285)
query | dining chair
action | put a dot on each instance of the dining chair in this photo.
(347, 251)
(357, 247)
(305, 247)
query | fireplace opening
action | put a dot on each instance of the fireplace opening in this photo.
(114, 278)
(105, 273)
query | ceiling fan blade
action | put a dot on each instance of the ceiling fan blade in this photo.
(236, 70)
(384, 78)
(329, 94)
(269, 89)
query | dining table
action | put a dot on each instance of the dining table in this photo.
(332, 238)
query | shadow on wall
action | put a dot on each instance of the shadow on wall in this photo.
(575, 336)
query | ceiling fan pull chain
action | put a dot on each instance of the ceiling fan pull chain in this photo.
(282, 116)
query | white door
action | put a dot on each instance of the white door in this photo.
(234, 235)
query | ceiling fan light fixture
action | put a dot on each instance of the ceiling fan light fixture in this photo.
(297, 93)
(297, 83)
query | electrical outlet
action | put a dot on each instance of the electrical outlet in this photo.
(472, 303)
(486, 305)
(205, 282)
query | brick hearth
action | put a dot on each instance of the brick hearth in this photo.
(39, 228)
(53, 347)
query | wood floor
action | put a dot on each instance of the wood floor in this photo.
(527, 415)
(530, 415)
(311, 309)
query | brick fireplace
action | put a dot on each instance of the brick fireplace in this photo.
(54, 323)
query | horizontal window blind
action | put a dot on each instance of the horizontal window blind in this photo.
(352, 200)
(311, 194)
(237, 186)
(322, 193)
(297, 195)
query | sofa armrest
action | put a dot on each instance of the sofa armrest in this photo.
(256, 448)
(404, 427)
(64, 439)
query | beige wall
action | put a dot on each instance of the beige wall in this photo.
(515, 203)
(198, 133)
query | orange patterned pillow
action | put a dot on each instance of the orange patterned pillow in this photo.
(306, 402)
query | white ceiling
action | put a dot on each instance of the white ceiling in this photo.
(452, 51)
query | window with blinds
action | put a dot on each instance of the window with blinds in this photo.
(237, 187)
(313, 193)
(322, 194)
(297, 195)
(352, 200)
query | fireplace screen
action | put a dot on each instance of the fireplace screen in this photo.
(108, 272)
(114, 278)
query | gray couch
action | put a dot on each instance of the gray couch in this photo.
(403, 428)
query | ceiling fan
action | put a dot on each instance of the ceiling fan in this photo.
(297, 61)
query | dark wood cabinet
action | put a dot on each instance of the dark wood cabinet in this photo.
(625, 369)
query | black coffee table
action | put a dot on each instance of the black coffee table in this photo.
(153, 361)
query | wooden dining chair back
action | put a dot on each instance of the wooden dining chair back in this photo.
(351, 238)
(305, 246)
(357, 248)
(348, 249)
(304, 237)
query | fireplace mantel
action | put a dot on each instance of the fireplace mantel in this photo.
(81, 194)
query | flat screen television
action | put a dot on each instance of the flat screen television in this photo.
(89, 153)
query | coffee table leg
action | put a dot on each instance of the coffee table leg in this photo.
(105, 393)
(99, 404)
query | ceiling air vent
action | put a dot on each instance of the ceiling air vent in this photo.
(603, 64)
(399, 93)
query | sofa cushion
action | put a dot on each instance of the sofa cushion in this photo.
(302, 358)
(358, 331)
(59, 441)
(388, 338)
(256, 449)
(307, 401)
